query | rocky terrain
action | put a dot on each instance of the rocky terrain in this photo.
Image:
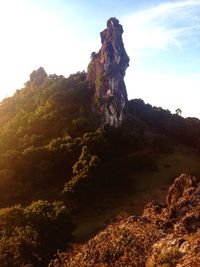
(165, 235)
(78, 162)
(106, 72)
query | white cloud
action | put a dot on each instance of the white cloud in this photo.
(161, 26)
(165, 27)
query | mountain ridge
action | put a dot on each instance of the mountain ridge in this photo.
(60, 158)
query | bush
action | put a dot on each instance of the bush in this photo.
(32, 234)
(83, 174)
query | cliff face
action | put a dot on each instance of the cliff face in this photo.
(166, 235)
(106, 72)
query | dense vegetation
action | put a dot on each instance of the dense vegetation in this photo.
(32, 234)
(51, 147)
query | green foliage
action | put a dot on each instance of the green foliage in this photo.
(32, 234)
(185, 131)
(25, 119)
(45, 125)
(49, 138)
(46, 113)
(83, 171)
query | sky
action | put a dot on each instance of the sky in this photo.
(162, 39)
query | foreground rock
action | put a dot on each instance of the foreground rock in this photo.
(106, 72)
(179, 219)
(165, 235)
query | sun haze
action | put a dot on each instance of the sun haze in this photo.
(161, 38)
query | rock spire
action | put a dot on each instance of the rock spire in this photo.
(106, 72)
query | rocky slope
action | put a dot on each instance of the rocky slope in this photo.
(106, 72)
(166, 235)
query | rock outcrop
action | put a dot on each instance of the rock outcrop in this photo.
(106, 72)
(179, 220)
(166, 235)
(38, 76)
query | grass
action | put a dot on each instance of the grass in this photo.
(142, 188)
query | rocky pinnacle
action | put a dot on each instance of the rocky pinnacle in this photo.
(106, 72)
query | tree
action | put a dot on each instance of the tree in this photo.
(178, 111)
(93, 55)
(83, 173)
(32, 234)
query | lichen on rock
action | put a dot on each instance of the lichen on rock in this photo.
(106, 72)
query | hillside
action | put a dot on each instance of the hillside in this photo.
(165, 235)
(76, 155)
(45, 126)
(53, 149)
(34, 124)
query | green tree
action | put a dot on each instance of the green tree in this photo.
(83, 173)
(178, 111)
(32, 234)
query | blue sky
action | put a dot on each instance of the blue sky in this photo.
(161, 39)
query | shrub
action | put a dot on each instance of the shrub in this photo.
(32, 234)
(83, 171)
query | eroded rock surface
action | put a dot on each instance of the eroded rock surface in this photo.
(179, 219)
(106, 72)
(166, 235)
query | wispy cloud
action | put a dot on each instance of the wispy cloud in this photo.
(166, 27)
(163, 25)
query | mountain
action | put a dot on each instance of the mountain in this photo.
(70, 164)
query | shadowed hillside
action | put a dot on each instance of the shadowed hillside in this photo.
(165, 235)
(53, 150)
(78, 163)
